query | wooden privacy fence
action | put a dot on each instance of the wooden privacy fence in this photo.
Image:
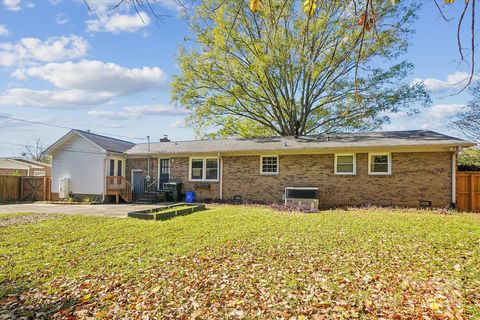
(9, 188)
(468, 191)
(14, 188)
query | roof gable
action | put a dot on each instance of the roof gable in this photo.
(104, 143)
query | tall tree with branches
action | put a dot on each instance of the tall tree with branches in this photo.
(364, 11)
(284, 70)
(468, 120)
(36, 152)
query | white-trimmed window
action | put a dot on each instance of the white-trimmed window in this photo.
(345, 164)
(379, 163)
(269, 165)
(204, 169)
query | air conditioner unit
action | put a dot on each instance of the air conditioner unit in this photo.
(63, 187)
(302, 195)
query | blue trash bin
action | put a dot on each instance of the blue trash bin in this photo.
(190, 197)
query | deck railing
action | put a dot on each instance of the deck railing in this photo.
(120, 187)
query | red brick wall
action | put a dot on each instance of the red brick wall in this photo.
(415, 177)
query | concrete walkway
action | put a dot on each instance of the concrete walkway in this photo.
(106, 210)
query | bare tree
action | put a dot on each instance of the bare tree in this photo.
(36, 151)
(468, 120)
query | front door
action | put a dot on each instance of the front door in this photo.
(138, 183)
(164, 172)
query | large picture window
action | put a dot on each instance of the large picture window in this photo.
(379, 163)
(345, 164)
(269, 165)
(204, 169)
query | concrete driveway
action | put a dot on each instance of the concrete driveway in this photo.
(106, 210)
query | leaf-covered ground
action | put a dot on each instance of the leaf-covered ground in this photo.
(244, 262)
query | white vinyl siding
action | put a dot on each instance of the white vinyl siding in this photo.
(83, 163)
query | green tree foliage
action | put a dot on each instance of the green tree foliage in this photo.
(469, 159)
(280, 71)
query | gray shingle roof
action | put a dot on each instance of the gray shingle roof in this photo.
(107, 143)
(332, 141)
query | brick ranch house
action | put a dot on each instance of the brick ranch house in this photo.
(397, 168)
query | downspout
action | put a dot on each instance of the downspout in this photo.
(148, 157)
(454, 178)
(221, 177)
(104, 178)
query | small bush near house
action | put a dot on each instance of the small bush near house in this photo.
(69, 199)
(87, 200)
(469, 160)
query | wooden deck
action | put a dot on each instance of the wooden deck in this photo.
(119, 187)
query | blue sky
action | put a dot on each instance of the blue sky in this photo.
(109, 71)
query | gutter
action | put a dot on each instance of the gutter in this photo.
(104, 178)
(221, 177)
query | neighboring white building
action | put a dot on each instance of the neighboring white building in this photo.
(24, 167)
(81, 161)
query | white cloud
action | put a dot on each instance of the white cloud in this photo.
(136, 112)
(12, 5)
(180, 123)
(117, 23)
(3, 31)
(30, 5)
(29, 51)
(61, 19)
(51, 98)
(456, 80)
(105, 6)
(441, 111)
(394, 115)
(97, 76)
(55, 2)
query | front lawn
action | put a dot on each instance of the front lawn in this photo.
(244, 262)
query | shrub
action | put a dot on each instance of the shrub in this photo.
(69, 199)
(469, 160)
(87, 200)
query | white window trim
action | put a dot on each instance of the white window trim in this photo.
(269, 173)
(389, 154)
(169, 171)
(204, 169)
(354, 164)
(115, 166)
